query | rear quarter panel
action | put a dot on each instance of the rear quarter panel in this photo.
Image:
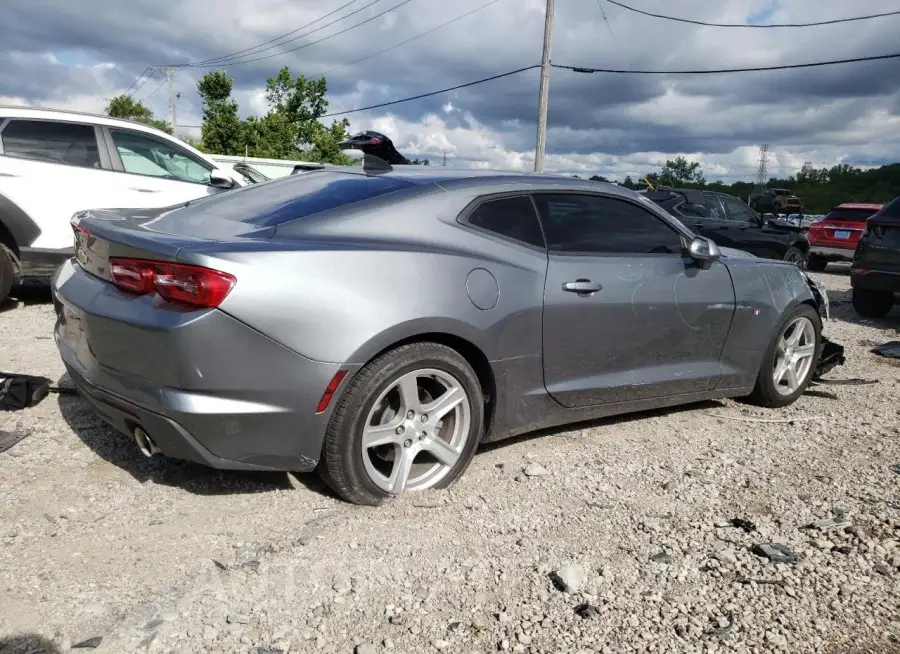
(345, 288)
(765, 291)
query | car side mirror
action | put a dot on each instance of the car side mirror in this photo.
(219, 179)
(705, 252)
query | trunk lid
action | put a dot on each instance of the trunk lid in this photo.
(157, 234)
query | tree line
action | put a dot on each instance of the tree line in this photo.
(820, 189)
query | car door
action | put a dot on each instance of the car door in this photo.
(748, 232)
(52, 168)
(627, 314)
(157, 170)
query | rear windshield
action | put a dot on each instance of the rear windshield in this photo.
(294, 196)
(891, 209)
(850, 215)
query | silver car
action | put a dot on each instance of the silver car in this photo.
(378, 325)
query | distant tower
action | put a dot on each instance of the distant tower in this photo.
(762, 173)
(445, 158)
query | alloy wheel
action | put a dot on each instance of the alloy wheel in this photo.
(416, 431)
(794, 355)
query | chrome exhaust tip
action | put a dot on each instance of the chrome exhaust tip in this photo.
(145, 444)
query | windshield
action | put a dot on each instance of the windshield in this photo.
(252, 175)
(850, 215)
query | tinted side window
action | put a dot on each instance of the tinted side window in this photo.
(738, 211)
(594, 224)
(714, 206)
(65, 143)
(512, 218)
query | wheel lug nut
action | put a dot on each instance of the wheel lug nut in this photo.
(410, 414)
(407, 442)
(424, 417)
(400, 430)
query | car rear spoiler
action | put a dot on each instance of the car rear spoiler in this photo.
(301, 168)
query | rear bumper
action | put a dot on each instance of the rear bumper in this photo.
(203, 385)
(872, 280)
(832, 253)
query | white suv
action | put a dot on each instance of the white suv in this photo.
(54, 163)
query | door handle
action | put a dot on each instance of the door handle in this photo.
(144, 190)
(583, 287)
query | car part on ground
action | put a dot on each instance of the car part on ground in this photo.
(282, 303)
(875, 271)
(834, 238)
(891, 350)
(731, 223)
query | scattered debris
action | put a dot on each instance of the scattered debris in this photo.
(883, 570)
(785, 421)
(826, 395)
(723, 628)
(890, 350)
(535, 470)
(742, 523)
(90, 643)
(831, 356)
(661, 557)
(9, 439)
(741, 579)
(854, 381)
(569, 578)
(894, 468)
(586, 611)
(827, 524)
(775, 552)
(220, 566)
(842, 549)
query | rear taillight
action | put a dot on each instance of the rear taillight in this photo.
(175, 282)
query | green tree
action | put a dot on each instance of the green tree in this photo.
(681, 172)
(222, 130)
(600, 178)
(419, 162)
(124, 106)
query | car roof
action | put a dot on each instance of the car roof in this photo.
(39, 113)
(485, 181)
(862, 206)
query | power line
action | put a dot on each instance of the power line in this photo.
(247, 51)
(137, 79)
(306, 45)
(834, 21)
(147, 77)
(418, 36)
(817, 64)
(428, 95)
(155, 90)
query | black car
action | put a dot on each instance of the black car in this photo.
(731, 223)
(875, 273)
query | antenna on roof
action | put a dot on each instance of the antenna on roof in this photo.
(374, 164)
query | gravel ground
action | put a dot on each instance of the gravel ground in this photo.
(626, 535)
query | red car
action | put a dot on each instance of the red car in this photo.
(834, 238)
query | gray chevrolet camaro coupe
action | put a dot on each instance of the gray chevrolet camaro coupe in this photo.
(379, 324)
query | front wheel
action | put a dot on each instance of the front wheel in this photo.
(872, 304)
(790, 360)
(410, 420)
(795, 256)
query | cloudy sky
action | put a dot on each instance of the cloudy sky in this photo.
(79, 54)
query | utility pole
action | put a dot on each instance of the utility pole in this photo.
(762, 177)
(545, 89)
(169, 72)
(444, 163)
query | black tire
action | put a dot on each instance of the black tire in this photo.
(872, 304)
(795, 256)
(764, 393)
(816, 263)
(7, 272)
(342, 467)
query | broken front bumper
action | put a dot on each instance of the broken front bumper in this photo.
(831, 355)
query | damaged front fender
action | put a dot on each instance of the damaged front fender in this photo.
(831, 354)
